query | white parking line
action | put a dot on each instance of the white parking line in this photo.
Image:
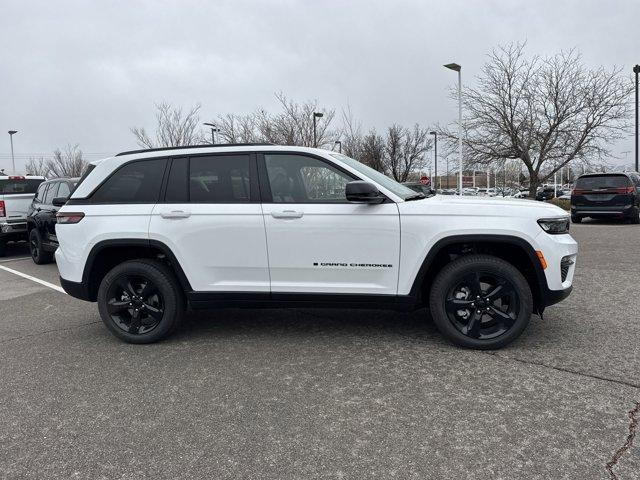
(33, 279)
(9, 260)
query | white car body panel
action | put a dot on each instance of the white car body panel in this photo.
(243, 248)
(221, 247)
(334, 248)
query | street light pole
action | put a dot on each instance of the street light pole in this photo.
(214, 129)
(457, 68)
(636, 70)
(316, 115)
(435, 155)
(13, 161)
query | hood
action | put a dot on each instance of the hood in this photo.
(493, 206)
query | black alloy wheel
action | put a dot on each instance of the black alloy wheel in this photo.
(482, 305)
(39, 256)
(135, 304)
(480, 301)
(141, 301)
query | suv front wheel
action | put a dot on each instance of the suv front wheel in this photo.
(481, 301)
(140, 301)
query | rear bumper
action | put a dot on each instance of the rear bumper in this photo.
(601, 211)
(75, 289)
(12, 230)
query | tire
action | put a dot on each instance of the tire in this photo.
(3, 248)
(39, 256)
(576, 219)
(493, 321)
(140, 301)
(635, 216)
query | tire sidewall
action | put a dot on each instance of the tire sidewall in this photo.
(168, 288)
(451, 274)
(38, 260)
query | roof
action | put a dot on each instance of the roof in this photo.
(184, 147)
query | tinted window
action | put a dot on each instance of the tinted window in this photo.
(63, 190)
(177, 187)
(302, 179)
(135, 182)
(51, 193)
(602, 181)
(19, 185)
(41, 191)
(219, 179)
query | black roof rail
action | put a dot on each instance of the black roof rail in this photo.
(162, 149)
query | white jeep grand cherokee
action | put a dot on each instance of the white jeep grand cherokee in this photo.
(148, 233)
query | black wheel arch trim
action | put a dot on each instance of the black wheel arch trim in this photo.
(542, 297)
(82, 289)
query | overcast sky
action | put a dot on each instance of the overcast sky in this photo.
(86, 72)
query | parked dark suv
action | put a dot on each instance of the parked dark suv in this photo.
(41, 218)
(606, 195)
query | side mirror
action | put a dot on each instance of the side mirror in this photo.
(360, 191)
(59, 201)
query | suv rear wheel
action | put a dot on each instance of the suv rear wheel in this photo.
(635, 215)
(481, 301)
(140, 301)
(39, 256)
(576, 219)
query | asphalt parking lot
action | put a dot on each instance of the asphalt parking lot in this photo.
(323, 393)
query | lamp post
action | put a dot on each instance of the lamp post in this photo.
(435, 155)
(214, 129)
(13, 161)
(316, 115)
(636, 70)
(457, 68)
(339, 144)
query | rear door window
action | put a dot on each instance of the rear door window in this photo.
(135, 182)
(599, 182)
(219, 179)
(39, 198)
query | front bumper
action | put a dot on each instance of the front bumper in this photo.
(551, 297)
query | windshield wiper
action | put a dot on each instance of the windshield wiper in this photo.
(417, 196)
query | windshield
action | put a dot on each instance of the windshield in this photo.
(380, 178)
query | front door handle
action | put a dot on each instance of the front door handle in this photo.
(175, 214)
(287, 214)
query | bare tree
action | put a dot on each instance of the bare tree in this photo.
(293, 125)
(37, 166)
(174, 128)
(373, 151)
(546, 112)
(66, 163)
(405, 150)
(351, 135)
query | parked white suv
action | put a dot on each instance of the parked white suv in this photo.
(148, 233)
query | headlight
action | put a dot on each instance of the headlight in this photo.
(556, 225)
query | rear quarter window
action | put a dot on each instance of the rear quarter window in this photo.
(135, 182)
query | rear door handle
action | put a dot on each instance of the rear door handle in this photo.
(287, 214)
(175, 214)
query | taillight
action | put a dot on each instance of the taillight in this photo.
(625, 190)
(69, 217)
(3, 212)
